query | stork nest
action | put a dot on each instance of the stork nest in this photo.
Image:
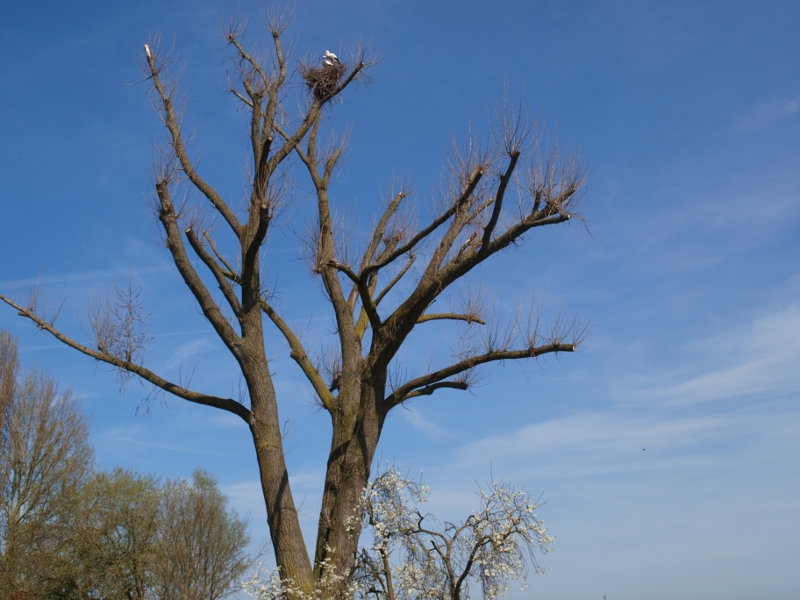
(322, 81)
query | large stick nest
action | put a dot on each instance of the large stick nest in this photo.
(322, 81)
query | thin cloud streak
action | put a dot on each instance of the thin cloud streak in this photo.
(79, 276)
(757, 360)
(768, 112)
(424, 425)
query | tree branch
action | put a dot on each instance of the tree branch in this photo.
(175, 245)
(470, 187)
(298, 354)
(234, 41)
(403, 391)
(364, 293)
(238, 94)
(451, 316)
(226, 404)
(394, 280)
(429, 389)
(372, 248)
(222, 279)
(433, 282)
(261, 217)
(498, 199)
(231, 272)
(380, 229)
(171, 121)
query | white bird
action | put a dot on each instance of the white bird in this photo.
(329, 59)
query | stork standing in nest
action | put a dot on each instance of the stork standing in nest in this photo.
(329, 59)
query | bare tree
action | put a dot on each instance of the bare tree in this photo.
(494, 198)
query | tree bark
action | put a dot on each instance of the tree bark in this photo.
(284, 526)
(357, 425)
(291, 554)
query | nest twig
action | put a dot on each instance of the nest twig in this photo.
(322, 81)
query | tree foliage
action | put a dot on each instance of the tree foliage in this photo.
(201, 549)
(67, 532)
(46, 461)
(116, 539)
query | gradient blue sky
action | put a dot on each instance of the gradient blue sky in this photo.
(666, 449)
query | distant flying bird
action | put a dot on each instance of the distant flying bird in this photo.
(329, 59)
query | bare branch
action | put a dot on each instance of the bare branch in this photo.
(364, 293)
(378, 235)
(468, 363)
(395, 279)
(231, 272)
(498, 199)
(299, 355)
(239, 95)
(469, 318)
(429, 389)
(223, 281)
(222, 403)
(118, 325)
(232, 36)
(380, 228)
(171, 121)
(422, 234)
(175, 245)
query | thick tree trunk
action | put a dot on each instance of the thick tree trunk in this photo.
(356, 431)
(291, 554)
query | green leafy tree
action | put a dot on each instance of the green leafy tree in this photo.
(46, 461)
(114, 541)
(201, 551)
(67, 532)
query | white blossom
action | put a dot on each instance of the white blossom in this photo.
(493, 546)
(410, 557)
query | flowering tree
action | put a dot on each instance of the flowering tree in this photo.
(495, 197)
(411, 558)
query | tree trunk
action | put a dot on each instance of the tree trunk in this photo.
(291, 554)
(356, 431)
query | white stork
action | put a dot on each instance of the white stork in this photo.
(329, 59)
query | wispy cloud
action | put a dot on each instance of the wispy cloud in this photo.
(137, 436)
(768, 112)
(424, 425)
(188, 350)
(756, 359)
(247, 498)
(79, 276)
(738, 394)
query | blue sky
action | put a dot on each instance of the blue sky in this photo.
(666, 449)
